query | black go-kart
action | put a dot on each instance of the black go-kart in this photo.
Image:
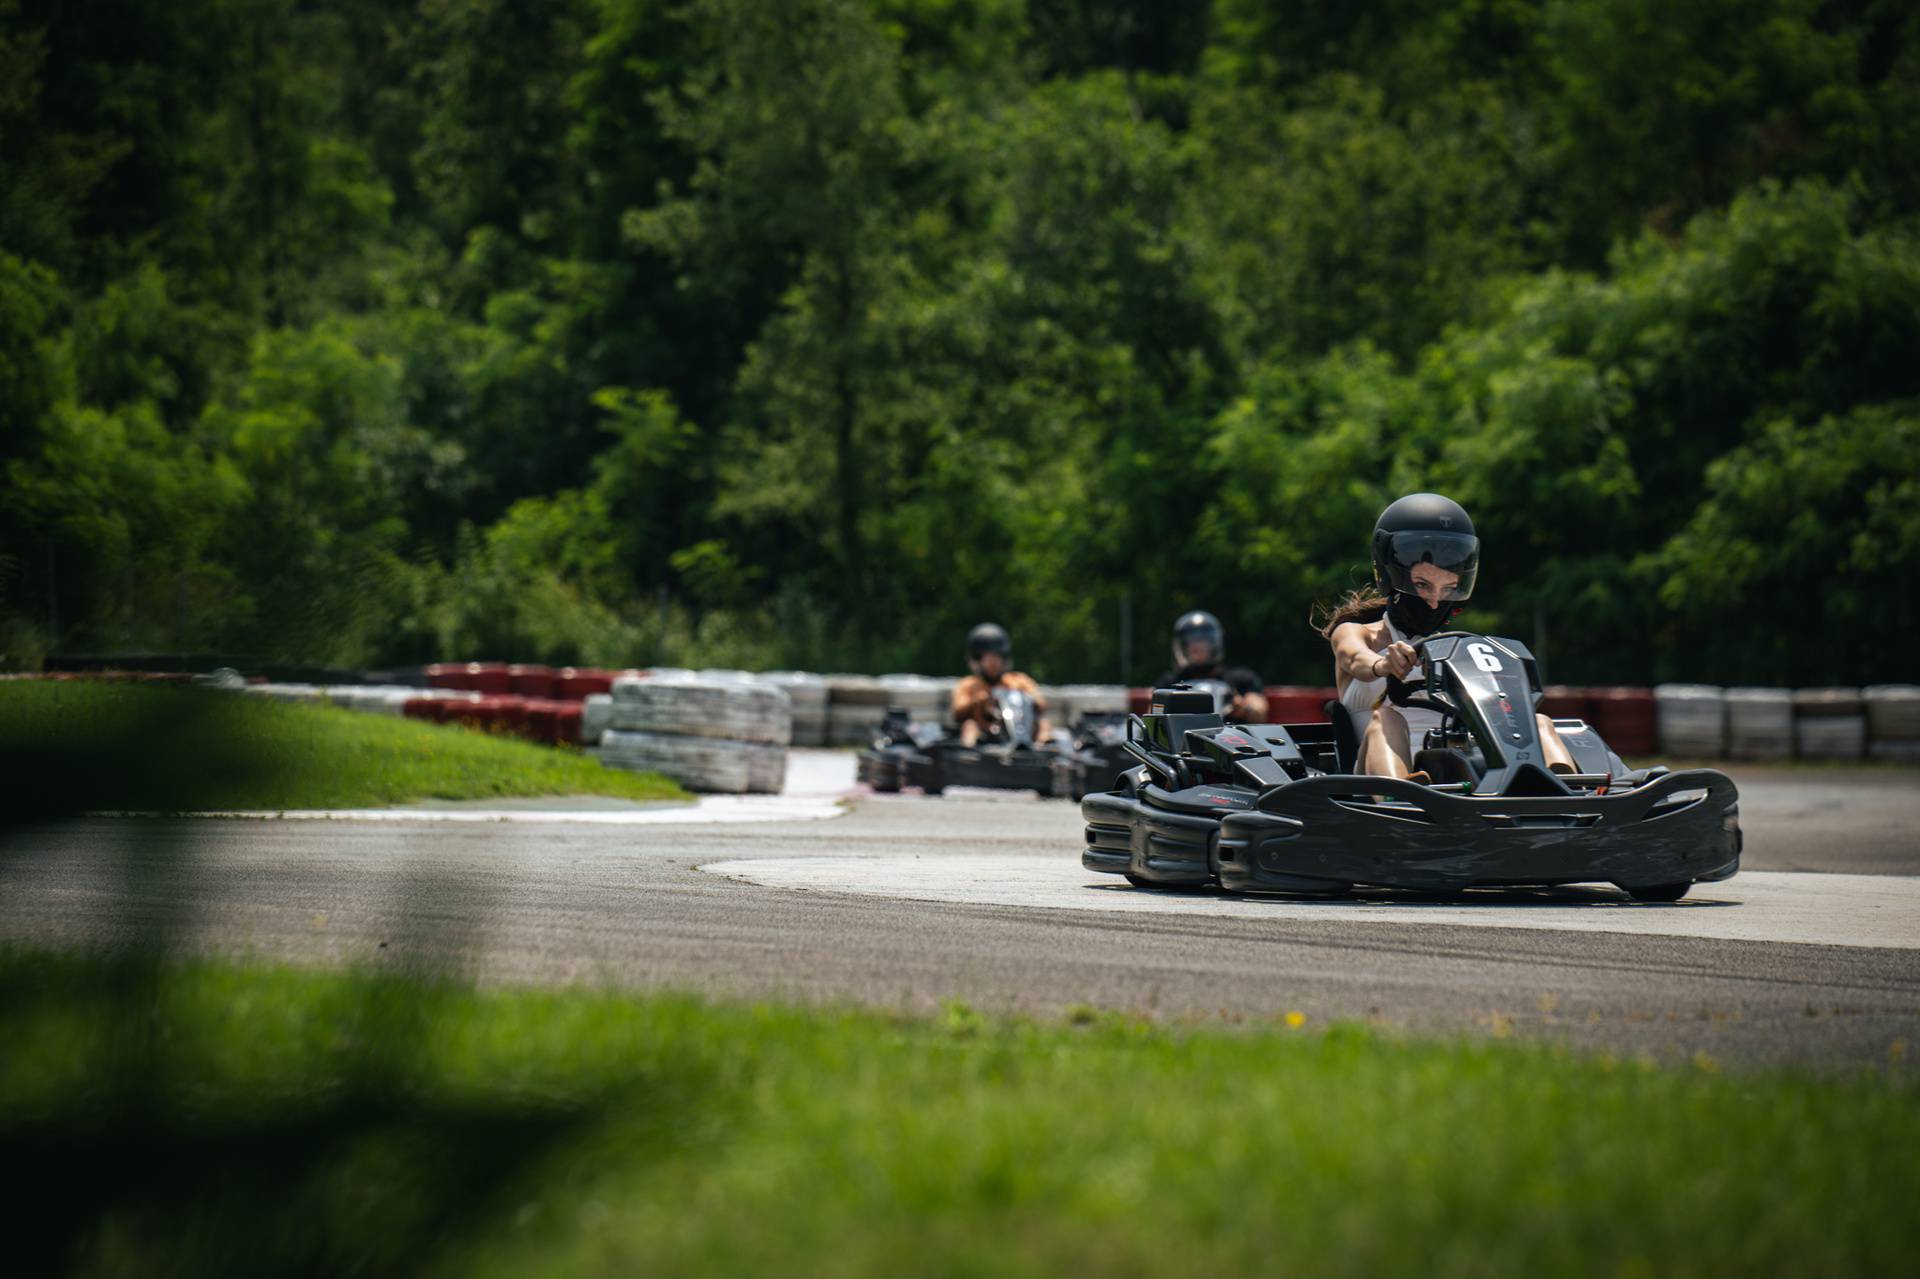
(1094, 756)
(1278, 807)
(1007, 756)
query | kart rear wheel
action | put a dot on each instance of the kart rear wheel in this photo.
(1660, 892)
(885, 779)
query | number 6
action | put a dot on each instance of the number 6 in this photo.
(1483, 657)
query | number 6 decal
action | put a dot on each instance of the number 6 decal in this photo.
(1483, 657)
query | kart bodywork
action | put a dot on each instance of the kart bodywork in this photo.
(1278, 807)
(907, 754)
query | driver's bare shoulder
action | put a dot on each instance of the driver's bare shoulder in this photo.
(1371, 634)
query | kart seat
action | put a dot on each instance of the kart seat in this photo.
(1346, 744)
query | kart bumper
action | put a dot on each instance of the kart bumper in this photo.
(1323, 833)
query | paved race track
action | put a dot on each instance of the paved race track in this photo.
(1752, 972)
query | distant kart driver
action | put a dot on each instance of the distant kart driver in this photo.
(990, 658)
(1200, 653)
(1425, 559)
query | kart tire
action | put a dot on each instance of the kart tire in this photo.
(884, 777)
(1659, 892)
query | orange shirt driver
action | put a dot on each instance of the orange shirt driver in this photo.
(989, 656)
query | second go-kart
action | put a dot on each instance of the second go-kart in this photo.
(1279, 808)
(1093, 755)
(1006, 757)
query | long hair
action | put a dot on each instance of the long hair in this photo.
(1362, 604)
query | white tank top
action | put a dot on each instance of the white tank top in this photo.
(1360, 696)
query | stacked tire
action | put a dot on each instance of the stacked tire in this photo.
(1759, 723)
(1692, 719)
(925, 698)
(1829, 723)
(596, 717)
(855, 706)
(1893, 722)
(716, 732)
(1091, 699)
(807, 695)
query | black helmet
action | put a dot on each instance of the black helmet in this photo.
(1198, 625)
(1424, 528)
(988, 638)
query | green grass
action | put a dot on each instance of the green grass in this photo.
(76, 746)
(215, 1118)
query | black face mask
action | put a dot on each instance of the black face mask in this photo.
(1414, 616)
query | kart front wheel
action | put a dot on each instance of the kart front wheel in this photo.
(1660, 892)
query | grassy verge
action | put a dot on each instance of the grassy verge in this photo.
(217, 1118)
(73, 746)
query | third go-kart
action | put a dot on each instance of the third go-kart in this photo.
(1006, 757)
(1279, 808)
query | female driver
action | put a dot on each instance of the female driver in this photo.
(1425, 558)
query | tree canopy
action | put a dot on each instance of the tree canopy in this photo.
(808, 334)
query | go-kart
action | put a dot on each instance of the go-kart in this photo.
(1093, 756)
(1006, 757)
(1278, 807)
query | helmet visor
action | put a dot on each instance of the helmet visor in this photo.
(1453, 560)
(1197, 642)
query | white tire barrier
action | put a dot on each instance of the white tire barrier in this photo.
(855, 706)
(1829, 723)
(1759, 723)
(733, 709)
(596, 717)
(1893, 711)
(1692, 719)
(924, 697)
(1095, 699)
(699, 763)
(807, 694)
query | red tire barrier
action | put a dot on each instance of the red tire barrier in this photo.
(541, 720)
(474, 714)
(449, 675)
(567, 722)
(1297, 704)
(1138, 699)
(1562, 702)
(576, 683)
(530, 680)
(490, 678)
(430, 709)
(506, 714)
(1627, 719)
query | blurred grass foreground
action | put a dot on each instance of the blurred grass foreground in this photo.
(74, 747)
(210, 1119)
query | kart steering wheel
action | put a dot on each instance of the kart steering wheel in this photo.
(1420, 696)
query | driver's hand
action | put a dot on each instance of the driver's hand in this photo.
(1398, 659)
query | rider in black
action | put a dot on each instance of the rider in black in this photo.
(1199, 652)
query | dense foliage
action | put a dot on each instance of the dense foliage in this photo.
(808, 334)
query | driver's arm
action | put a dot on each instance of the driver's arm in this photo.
(1354, 658)
(971, 697)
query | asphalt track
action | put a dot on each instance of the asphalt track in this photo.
(907, 902)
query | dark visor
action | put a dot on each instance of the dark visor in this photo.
(1456, 553)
